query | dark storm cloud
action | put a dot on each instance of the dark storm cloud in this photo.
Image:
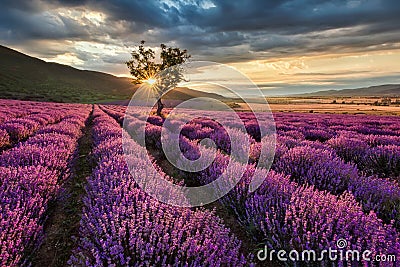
(23, 25)
(226, 31)
(290, 17)
(287, 27)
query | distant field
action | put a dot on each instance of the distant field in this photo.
(305, 105)
(343, 105)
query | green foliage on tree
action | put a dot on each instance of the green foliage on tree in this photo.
(167, 73)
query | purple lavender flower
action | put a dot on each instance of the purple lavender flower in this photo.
(307, 165)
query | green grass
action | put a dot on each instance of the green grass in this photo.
(27, 78)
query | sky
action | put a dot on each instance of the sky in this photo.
(284, 46)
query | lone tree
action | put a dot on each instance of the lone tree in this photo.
(144, 69)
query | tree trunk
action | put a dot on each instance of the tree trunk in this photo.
(160, 106)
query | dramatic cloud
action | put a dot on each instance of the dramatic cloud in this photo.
(99, 34)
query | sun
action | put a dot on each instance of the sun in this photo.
(150, 81)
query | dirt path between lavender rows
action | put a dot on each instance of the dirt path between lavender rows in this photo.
(65, 212)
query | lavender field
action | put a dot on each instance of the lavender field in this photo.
(332, 177)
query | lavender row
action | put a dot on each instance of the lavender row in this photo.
(371, 142)
(31, 174)
(321, 167)
(307, 162)
(10, 109)
(310, 126)
(16, 129)
(252, 209)
(270, 211)
(122, 225)
(372, 154)
(375, 154)
(311, 162)
(376, 138)
(316, 163)
(286, 215)
(375, 148)
(14, 108)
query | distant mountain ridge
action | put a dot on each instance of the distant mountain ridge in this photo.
(30, 78)
(386, 90)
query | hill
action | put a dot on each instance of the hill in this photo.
(29, 78)
(389, 90)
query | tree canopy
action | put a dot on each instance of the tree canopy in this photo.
(162, 75)
(143, 64)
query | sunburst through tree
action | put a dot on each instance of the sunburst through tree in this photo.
(158, 77)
